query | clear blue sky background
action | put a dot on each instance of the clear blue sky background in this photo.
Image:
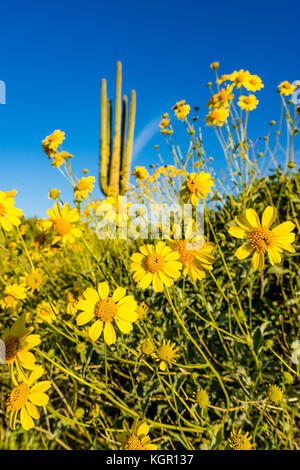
(54, 54)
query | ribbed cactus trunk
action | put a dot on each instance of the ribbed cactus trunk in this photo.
(115, 155)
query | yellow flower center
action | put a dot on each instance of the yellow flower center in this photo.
(62, 226)
(2, 209)
(192, 185)
(11, 348)
(165, 352)
(133, 443)
(106, 309)
(186, 256)
(82, 185)
(154, 262)
(9, 299)
(261, 239)
(18, 397)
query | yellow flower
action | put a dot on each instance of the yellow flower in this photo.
(18, 340)
(223, 78)
(286, 88)
(239, 441)
(147, 347)
(45, 312)
(240, 78)
(194, 261)
(118, 308)
(33, 281)
(25, 398)
(202, 398)
(164, 123)
(142, 310)
(248, 102)
(222, 98)
(52, 142)
(61, 220)
(260, 239)
(59, 158)
(84, 186)
(140, 173)
(12, 294)
(73, 298)
(217, 117)
(254, 83)
(215, 65)
(54, 193)
(136, 437)
(275, 394)
(181, 109)
(198, 185)
(9, 215)
(166, 352)
(157, 265)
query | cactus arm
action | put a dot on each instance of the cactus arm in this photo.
(116, 153)
(123, 136)
(129, 145)
(104, 155)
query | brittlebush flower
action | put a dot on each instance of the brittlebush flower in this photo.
(286, 88)
(240, 441)
(25, 398)
(222, 98)
(217, 117)
(254, 83)
(33, 281)
(240, 78)
(52, 142)
(140, 173)
(61, 221)
(118, 308)
(73, 298)
(84, 186)
(157, 265)
(13, 293)
(45, 312)
(248, 102)
(202, 398)
(18, 340)
(54, 193)
(260, 239)
(9, 215)
(197, 186)
(181, 110)
(165, 353)
(194, 261)
(136, 437)
(59, 158)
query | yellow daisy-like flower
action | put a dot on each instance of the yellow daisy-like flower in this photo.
(275, 394)
(140, 173)
(54, 193)
(194, 262)
(142, 310)
(136, 437)
(61, 221)
(9, 215)
(240, 78)
(223, 78)
(73, 298)
(248, 102)
(197, 186)
(157, 264)
(52, 142)
(18, 340)
(254, 83)
(45, 312)
(146, 347)
(33, 281)
(240, 441)
(164, 123)
(84, 186)
(286, 88)
(260, 239)
(181, 110)
(217, 117)
(165, 353)
(25, 398)
(59, 158)
(118, 308)
(12, 294)
(222, 98)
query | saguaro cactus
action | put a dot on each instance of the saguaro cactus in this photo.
(115, 155)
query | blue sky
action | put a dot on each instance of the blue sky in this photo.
(54, 54)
